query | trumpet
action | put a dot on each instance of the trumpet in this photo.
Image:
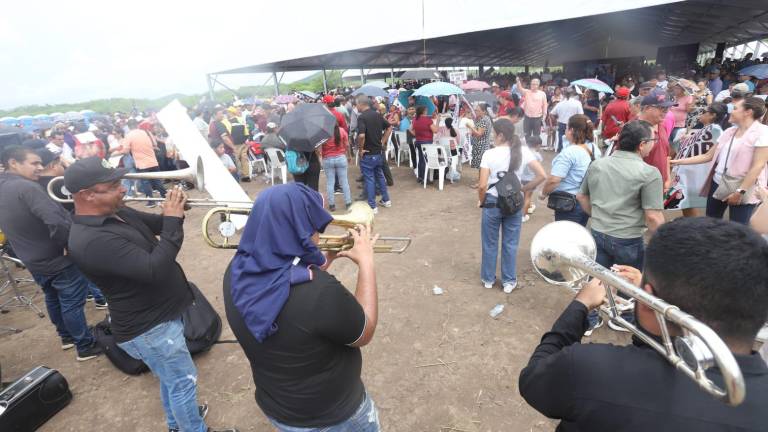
(563, 253)
(359, 214)
(195, 175)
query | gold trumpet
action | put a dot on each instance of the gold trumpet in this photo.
(195, 175)
(359, 214)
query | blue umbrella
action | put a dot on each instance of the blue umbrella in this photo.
(593, 84)
(759, 71)
(420, 100)
(438, 89)
(372, 91)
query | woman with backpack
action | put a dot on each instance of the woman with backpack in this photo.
(305, 166)
(503, 210)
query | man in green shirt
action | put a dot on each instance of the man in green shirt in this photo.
(623, 195)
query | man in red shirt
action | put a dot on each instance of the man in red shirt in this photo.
(653, 108)
(616, 113)
(330, 103)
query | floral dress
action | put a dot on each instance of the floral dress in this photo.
(482, 143)
(699, 108)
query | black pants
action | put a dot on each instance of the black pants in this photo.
(311, 176)
(414, 156)
(532, 126)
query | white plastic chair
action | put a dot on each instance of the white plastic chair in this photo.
(436, 160)
(390, 150)
(402, 139)
(253, 161)
(445, 142)
(276, 159)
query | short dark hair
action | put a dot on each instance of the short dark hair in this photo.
(714, 270)
(634, 133)
(17, 153)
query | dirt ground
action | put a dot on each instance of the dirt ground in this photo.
(437, 363)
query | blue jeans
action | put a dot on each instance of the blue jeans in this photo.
(365, 419)
(736, 213)
(613, 250)
(65, 299)
(147, 186)
(560, 135)
(336, 167)
(164, 349)
(130, 165)
(510, 236)
(94, 291)
(576, 215)
(373, 177)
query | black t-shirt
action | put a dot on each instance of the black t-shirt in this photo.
(306, 375)
(373, 125)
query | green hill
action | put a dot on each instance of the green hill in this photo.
(312, 83)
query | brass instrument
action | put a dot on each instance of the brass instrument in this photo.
(563, 253)
(195, 175)
(359, 214)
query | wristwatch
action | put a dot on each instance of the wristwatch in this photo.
(741, 191)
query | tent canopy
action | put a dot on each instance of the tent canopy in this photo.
(624, 33)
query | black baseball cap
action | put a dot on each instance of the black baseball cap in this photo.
(46, 156)
(658, 98)
(90, 171)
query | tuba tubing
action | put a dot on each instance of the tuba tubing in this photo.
(699, 348)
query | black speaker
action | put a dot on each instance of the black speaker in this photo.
(33, 399)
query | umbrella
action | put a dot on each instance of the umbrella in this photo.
(285, 99)
(307, 126)
(420, 101)
(11, 136)
(689, 86)
(759, 71)
(379, 84)
(484, 97)
(309, 94)
(421, 74)
(438, 89)
(42, 124)
(593, 84)
(370, 90)
(474, 85)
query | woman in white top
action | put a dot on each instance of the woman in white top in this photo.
(494, 162)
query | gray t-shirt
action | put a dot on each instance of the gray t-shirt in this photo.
(620, 188)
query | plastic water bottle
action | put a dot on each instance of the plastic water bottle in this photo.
(497, 310)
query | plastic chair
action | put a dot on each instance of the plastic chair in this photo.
(253, 161)
(390, 150)
(276, 159)
(402, 140)
(445, 143)
(436, 160)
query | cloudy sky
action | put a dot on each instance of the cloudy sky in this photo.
(54, 52)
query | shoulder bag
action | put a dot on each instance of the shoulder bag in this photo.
(564, 201)
(728, 183)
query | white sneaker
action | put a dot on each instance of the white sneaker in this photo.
(488, 285)
(386, 204)
(509, 287)
(526, 218)
(376, 210)
(531, 208)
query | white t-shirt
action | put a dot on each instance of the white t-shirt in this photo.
(227, 161)
(722, 95)
(497, 160)
(565, 109)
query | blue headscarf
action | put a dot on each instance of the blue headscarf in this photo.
(275, 252)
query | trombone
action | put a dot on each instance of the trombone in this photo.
(195, 175)
(563, 253)
(359, 214)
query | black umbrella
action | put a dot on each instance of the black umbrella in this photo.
(307, 126)
(11, 136)
(421, 74)
(484, 97)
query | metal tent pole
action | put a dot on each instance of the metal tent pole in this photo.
(325, 82)
(277, 85)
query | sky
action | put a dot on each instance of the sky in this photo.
(146, 49)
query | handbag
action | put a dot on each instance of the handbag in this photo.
(728, 183)
(565, 201)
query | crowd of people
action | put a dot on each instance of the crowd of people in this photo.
(657, 143)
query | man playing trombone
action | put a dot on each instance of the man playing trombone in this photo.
(714, 270)
(116, 247)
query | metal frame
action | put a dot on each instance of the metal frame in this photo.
(11, 285)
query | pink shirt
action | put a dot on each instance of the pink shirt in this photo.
(142, 148)
(669, 123)
(742, 150)
(535, 103)
(681, 110)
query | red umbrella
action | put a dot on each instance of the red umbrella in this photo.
(474, 85)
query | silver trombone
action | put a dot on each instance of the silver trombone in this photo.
(194, 175)
(563, 253)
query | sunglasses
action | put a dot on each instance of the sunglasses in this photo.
(650, 139)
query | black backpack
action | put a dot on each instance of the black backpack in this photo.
(509, 189)
(202, 328)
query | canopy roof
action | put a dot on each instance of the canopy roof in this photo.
(625, 33)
